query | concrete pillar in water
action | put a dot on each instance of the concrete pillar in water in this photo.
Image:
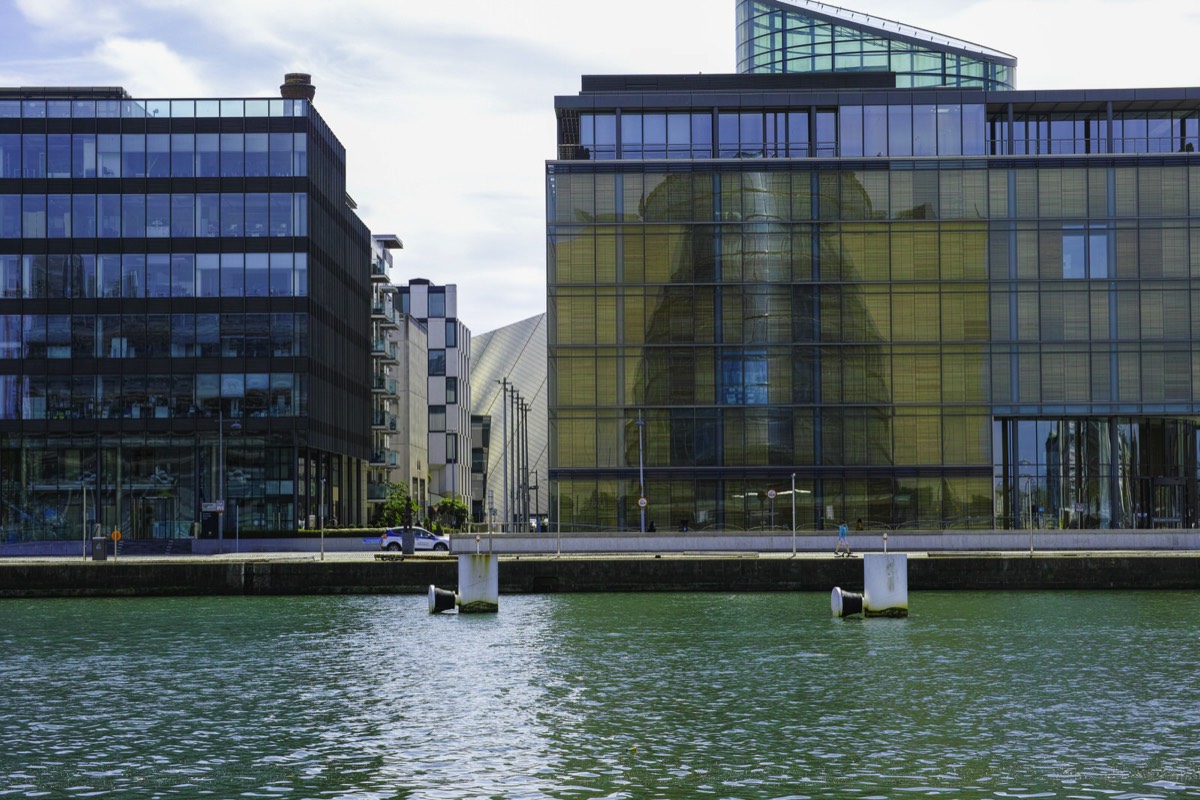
(478, 583)
(885, 581)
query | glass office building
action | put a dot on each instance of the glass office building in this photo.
(184, 317)
(922, 308)
(808, 36)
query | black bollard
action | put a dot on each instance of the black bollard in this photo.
(441, 599)
(844, 604)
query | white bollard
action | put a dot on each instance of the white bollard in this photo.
(478, 583)
(885, 581)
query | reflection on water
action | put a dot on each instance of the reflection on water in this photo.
(1064, 695)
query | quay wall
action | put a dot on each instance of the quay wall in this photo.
(542, 574)
(777, 541)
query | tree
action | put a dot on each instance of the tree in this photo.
(399, 508)
(453, 511)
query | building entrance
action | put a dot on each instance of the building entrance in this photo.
(1098, 473)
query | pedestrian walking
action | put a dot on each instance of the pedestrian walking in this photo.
(842, 541)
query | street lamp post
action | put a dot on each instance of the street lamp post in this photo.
(504, 437)
(537, 507)
(641, 423)
(793, 513)
(235, 427)
(221, 478)
(83, 522)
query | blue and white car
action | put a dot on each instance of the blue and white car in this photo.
(393, 539)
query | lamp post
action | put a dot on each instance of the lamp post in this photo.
(793, 514)
(523, 446)
(221, 477)
(537, 507)
(83, 522)
(237, 426)
(504, 437)
(1028, 500)
(641, 423)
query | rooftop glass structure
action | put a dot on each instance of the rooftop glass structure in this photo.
(805, 36)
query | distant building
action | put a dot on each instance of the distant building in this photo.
(185, 312)
(869, 280)
(515, 412)
(399, 390)
(448, 386)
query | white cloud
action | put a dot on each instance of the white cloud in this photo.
(152, 66)
(72, 19)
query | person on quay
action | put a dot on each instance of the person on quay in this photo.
(842, 541)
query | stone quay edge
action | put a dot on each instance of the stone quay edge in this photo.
(306, 574)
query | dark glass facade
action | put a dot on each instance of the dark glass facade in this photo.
(933, 309)
(184, 299)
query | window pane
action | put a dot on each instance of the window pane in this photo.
(58, 155)
(133, 155)
(158, 155)
(182, 275)
(437, 362)
(183, 215)
(83, 215)
(183, 161)
(133, 215)
(208, 149)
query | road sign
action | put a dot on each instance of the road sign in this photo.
(642, 502)
(770, 494)
(217, 506)
(116, 536)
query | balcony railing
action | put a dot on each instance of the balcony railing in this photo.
(382, 419)
(384, 349)
(383, 311)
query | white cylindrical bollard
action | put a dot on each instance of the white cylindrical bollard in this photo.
(844, 604)
(478, 583)
(885, 581)
(441, 599)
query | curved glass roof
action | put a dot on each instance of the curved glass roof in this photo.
(807, 36)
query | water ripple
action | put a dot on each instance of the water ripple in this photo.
(1090, 696)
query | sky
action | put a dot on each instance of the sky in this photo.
(446, 107)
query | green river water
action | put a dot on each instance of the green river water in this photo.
(975, 695)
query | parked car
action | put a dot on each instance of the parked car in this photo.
(393, 539)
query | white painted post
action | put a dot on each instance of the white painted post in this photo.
(885, 581)
(478, 583)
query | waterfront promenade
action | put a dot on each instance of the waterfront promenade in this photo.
(548, 563)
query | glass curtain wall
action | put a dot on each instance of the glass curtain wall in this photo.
(144, 365)
(867, 329)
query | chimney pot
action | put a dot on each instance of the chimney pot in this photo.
(297, 86)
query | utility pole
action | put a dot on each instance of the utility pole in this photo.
(504, 403)
(641, 423)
